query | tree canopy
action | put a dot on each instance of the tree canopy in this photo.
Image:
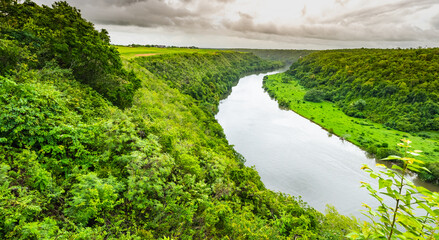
(59, 35)
(398, 87)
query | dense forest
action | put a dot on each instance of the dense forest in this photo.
(396, 87)
(91, 150)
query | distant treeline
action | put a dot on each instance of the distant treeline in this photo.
(159, 46)
(284, 55)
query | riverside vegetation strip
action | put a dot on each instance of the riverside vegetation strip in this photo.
(95, 147)
(290, 94)
(372, 98)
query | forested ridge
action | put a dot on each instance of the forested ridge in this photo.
(90, 150)
(286, 56)
(396, 87)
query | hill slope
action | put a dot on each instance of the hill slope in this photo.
(399, 87)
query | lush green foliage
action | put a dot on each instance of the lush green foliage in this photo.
(375, 138)
(58, 35)
(400, 221)
(313, 95)
(75, 166)
(399, 87)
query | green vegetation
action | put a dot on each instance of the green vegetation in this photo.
(386, 95)
(89, 150)
(400, 221)
(375, 137)
(388, 222)
(59, 36)
(399, 87)
(286, 56)
(132, 52)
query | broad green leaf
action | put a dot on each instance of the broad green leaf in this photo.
(392, 157)
(384, 183)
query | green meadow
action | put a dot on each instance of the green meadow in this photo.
(132, 52)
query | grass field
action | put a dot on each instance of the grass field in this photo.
(131, 52)
(361, 132)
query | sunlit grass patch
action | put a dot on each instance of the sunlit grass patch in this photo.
(132, 52)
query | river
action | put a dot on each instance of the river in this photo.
(292, 154)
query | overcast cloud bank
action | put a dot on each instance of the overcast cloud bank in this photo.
(267, 23)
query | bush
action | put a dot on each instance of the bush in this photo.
(314, 95)
(11, 55)
(93, 197)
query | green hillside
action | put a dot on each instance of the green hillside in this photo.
(93, 147)
(400, 87)
(385, 95)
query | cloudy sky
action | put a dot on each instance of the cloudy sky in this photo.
(281, 24)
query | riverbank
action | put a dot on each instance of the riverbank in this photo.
(374, 138)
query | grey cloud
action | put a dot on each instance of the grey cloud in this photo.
(387, 12)
(246, 24)
(382, 22)
(379, 23)
(150, 13)
(435, 22)
(304, 11)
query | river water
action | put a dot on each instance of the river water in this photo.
(292, 154)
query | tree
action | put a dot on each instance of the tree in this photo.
(60, 34)
(314, 95)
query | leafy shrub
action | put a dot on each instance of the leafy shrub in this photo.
(12, 55)
(400, 221)
(314, 95)
(93, 197)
